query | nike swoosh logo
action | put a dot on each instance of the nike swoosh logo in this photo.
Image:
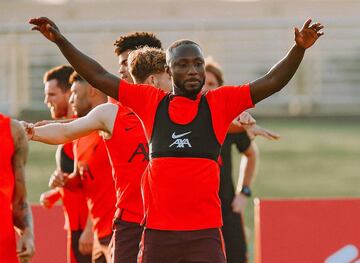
(174, 136)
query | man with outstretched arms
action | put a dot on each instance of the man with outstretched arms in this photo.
(80, 235)
(15, 210)
(186, 130)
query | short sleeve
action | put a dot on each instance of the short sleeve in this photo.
(226, 103)
(142, 99)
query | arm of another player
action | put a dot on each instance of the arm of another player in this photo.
(101, 118)
(248, 168)
(88, 68)
(22, 215)
(86, 239)
(280, 74)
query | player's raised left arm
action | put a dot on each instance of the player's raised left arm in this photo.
(88, 68)
(281, 73)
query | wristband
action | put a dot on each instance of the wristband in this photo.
(245, 190)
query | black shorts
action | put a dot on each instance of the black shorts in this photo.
(234, 237)
(73, 249)
(127, 237)
(159, 246)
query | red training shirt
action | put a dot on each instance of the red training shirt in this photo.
(7, 183)
(95, 171)
(182, 193)
(128, 151)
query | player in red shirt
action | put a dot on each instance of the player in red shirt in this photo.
(15, 210)
(80, 235)
(128, 151)
(92, 171)
(130, 160)
(185, 130)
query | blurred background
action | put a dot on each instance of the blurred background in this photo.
(317, 114)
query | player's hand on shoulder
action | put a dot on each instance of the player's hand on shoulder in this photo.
(28, 128)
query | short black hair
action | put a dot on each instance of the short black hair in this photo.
(135, 40)
(61, 74)
(177, 44)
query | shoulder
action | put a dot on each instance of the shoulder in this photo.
(18, 134)
(105, 110)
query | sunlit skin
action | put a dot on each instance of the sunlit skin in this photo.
(56, 99)
(79, 98)
(187, 69)
(163, 81)
(123, 66)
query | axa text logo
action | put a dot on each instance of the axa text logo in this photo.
(180, 141)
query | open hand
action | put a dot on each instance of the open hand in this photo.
(25, 247)
(46, 27)
(239, 203)
(308, 34)
(256, 130)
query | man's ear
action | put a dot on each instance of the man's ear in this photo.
(167, 70)
(152, 80)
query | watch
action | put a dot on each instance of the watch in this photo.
(245, 190)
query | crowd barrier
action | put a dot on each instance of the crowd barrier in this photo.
(50, 236)
(307, 231)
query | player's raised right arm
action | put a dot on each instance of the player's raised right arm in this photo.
(88, 68)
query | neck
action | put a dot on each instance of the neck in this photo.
(180, 92)
(98, 101)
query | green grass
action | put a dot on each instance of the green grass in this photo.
(313, 159)
(41, 164)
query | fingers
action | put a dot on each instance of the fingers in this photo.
(270, 135)
(317, 27)
(297, 32)
(307, 23)
(246, 119)
(39, 21)
(56, 180)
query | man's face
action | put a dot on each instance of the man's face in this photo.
(79, 99)
(56, 99)
(123, 66)
(187, 68)
(210, 81)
